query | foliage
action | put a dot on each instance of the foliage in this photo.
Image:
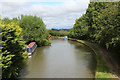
(100, 24)
(0, 47)
(34, 29)
(13, 46)
(16, 33)
(6, 20)
(58, 32)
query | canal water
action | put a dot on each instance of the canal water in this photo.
(63, 59)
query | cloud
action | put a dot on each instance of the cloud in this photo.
(61, 15)
(33, 0)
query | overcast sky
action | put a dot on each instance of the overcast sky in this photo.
(55, 13)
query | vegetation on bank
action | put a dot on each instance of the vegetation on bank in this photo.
(13, 46)
(33, 27)
(58, 32)
(100, 24)
(0, 36)
(34, 30)
(102, 70)
(16, 34)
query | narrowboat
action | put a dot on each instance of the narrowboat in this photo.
(31, 48)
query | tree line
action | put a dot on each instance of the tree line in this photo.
(100, 24)
(17, 33)
(58, 32)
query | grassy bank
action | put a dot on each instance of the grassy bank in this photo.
(103, 70)
(57, 37)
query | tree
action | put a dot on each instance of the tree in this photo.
(34, 29)
(100, 24)
(13, 46)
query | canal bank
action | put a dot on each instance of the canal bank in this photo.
(56, 37)
(106, 67)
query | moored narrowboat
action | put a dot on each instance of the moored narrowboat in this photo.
(31, 48)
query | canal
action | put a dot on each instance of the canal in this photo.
(63, 59)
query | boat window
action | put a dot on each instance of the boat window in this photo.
(28, 50)
(33, 47)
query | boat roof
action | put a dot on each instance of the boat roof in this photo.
(30, 45)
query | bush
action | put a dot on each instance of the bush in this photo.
(34, 29)
(13, 46)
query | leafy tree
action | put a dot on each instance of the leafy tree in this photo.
(6, 20)
(100, 24)
(15, 33)
(13, 46)
(34, 29)
(0, 48)
(58, 32)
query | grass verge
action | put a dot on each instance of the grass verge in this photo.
(102, 70)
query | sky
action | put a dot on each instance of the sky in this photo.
(60, 14)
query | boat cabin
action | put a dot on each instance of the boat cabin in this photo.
(31, 48)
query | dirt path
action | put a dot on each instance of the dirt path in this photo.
(111, 63)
